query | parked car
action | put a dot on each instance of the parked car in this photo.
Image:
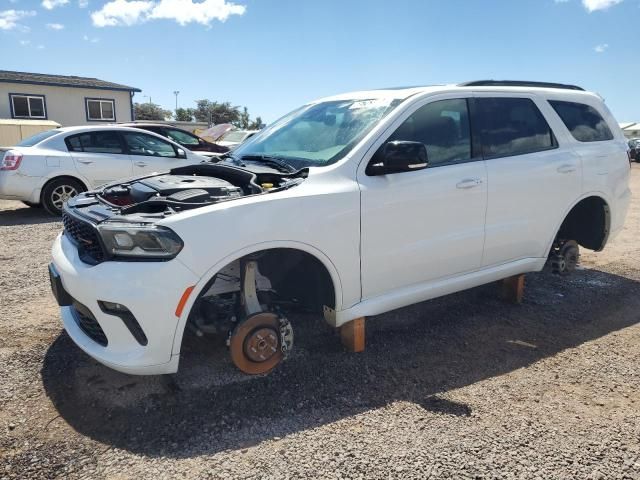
(233, 138)
(52, 166)
(351, 206)
(634, 149)
(183, 137)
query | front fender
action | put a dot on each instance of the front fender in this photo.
(204, 280)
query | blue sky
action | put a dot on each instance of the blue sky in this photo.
(273, 55)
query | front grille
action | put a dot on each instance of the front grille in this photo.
(85, 237)
(88, 324)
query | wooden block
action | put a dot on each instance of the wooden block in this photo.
(352, 335)
(512, 289)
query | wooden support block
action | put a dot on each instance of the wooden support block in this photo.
(512, 289)
(352, 335)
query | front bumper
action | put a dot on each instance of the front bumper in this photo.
(150, 290)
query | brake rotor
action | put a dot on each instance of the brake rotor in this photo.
(255, 343)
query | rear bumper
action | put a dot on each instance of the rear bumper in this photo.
(16, 186)
(150, 290)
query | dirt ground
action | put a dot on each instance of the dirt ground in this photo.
(465, 386)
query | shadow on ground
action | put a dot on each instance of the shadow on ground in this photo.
(25, 216)
(413, 354)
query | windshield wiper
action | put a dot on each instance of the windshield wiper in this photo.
(272, 161)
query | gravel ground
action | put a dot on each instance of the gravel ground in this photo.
(465, 386)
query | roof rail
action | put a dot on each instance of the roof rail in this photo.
(517, 83)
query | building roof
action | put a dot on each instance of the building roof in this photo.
(62, 81)
(630, 126)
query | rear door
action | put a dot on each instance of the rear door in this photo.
(100, 156)
(150, 153)
(534, 175)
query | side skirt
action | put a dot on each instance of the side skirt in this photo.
(426, 291)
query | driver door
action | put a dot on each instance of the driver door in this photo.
(151, 154)
(424, 225)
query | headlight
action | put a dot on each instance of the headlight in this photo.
(140, 241)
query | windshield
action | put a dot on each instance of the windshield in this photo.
(37, 138)
(318, 134)
(234, 136)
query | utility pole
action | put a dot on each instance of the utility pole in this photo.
(147, 96)
(176, 92)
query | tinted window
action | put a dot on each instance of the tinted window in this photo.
(443, 127)
(143, 144)
(584, 122)
(512, 126)
(181, 137)
(95, 142)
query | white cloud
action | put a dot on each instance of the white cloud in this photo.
(186, 11)
(131, 12)
(55, 26)
(601, 48)
(40, 47)
(83, 3)
(51, 4)
(9, 19)
(24, 43)
(86, 38)
(121, 12)
(593, 5)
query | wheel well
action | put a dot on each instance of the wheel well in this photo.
(293, 273)
(298, 274)
(70, 177)
(587, 223)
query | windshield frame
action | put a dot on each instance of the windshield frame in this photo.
(301, 162)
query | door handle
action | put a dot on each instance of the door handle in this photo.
(468, 183)
(566, 168)
(86, 162)
(141, 164)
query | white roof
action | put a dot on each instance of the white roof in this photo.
(406, 92)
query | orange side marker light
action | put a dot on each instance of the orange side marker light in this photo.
(183, 300)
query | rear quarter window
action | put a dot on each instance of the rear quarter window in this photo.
(583, 121)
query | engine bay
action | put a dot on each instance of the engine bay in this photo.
(186, 188)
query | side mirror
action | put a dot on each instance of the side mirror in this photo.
(181, 153)
(398, 156)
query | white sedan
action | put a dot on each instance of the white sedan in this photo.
(50, 167)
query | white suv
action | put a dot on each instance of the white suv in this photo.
(50, 167)
(352, 205)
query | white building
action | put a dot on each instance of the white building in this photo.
(64, 99)
(631, 129)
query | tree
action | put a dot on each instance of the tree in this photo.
(216, 113)
(245, 119)
(223, 112)
(256, 124)
(150, 111)
(184, 114)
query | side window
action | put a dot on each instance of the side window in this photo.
(95, 142)
(512, 126)
(443, 127)
(181, 137)
(583, 121)
(148, 145)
